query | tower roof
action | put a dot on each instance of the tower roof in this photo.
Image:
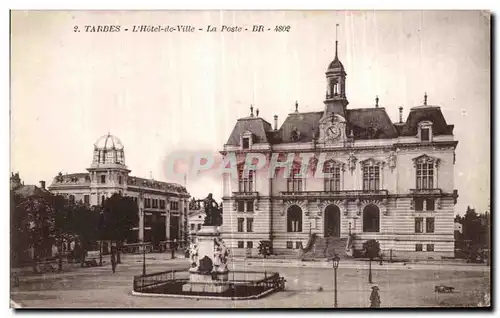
(108, 142)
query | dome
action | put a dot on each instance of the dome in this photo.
(336, 64)
(108, 149)
(108, 142)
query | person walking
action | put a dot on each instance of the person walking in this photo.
(174, 248)
(375, 298)
(113, 258)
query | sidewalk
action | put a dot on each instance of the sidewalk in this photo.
(359, 264)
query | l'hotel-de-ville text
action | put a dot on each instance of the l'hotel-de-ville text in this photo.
(143, 28)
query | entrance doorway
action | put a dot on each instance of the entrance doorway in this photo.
(332, 221)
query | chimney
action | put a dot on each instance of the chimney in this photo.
(275, 122)
(42, 185)
(401, 114)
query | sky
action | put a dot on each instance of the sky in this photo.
(164, 93)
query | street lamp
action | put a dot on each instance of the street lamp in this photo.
(335, 260)
(143, 249)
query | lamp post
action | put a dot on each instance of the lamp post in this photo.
(336, 260)
(143, 250)
(101, 225)
(143, 258)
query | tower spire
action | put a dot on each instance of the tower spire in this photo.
(336, 40)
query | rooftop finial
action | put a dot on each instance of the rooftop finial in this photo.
(336, 39)
(425, 98)
(376, 101)
(296, 106)
(400, 114)
(257, 112)
(251, 110)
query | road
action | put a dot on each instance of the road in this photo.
(307, 286)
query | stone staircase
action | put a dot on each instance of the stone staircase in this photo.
(324, 248)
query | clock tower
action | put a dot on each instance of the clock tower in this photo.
(332, 124)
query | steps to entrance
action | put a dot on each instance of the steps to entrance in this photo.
(325, 247)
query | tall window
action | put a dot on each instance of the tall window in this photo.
(103, 178)
(425, 175)
(245, 181)
(241, 206)
(294, 219)
(429, 225)
(240, 224)
(86, 199)
(249, 224)
(371, 218)
(120, 180)
(294, 183)
(419, 225)
(425, 134)
(371, 178)
(332, 177)
(246, 143)
(250, 206)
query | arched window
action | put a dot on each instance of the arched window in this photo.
(294, 219)
(102, 199)
(371, 218)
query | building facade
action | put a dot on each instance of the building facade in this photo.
(161, 205)
(383, 180)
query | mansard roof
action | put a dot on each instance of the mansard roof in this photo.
(258, 126)
(305, 123)
(425, 113)
(370, 123)
(365, 123)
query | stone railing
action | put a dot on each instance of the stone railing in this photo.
(346, 194)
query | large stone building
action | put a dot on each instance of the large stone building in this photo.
(160, 203)
(383, 180)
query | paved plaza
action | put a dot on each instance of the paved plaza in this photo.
(309, 284)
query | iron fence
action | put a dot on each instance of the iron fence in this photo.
(236, 278)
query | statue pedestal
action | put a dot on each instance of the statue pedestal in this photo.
(211, 273)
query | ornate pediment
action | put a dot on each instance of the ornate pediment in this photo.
(332, 129)
(372, 162)
(331, 163)
(426, 159)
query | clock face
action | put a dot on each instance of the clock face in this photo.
(333, 131)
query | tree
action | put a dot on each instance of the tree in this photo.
(265, 248)
(372, 250)
(37, 223)
(121, 215)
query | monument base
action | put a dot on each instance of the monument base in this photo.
(207, 283)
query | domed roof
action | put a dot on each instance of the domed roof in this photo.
(336, 64)
(108, 142)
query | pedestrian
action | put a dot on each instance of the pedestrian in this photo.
(113, 259)
(174, 247)
(375, 298)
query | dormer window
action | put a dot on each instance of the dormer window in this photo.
(246, 140)
(246, 143)
(295, 135)
(425, 131)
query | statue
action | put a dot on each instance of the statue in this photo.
(193, 255)
(213, 212)
(221, 254)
